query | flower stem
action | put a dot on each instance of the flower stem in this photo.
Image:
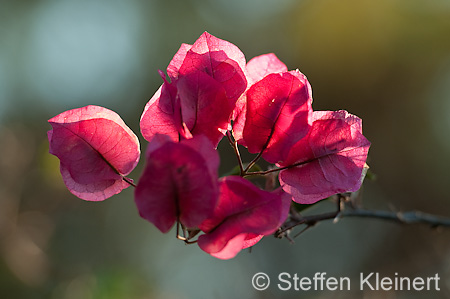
(252, 163)
(129, 181)
(233, 144)
(273, 169)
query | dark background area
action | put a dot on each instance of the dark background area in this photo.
(386, 61)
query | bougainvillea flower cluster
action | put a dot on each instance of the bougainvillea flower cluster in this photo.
(211, 92)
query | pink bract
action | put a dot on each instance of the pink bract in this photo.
(207, 75)
(179, 182)
(257, 68)
(96, 150)
(160, 114)
(242, 209)
(220, 59)
(251, 240)
(278, 114)
(260, 66)
(330, 159)
(200, 96)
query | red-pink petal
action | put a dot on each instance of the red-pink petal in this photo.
(159, 114)
(263, 65)
(221, 60)
(207, 79)
(251, 240)
(242, 209)
(278, 114)
(232, 248)
(205, 107)
(238, 117)
(204, 147)
(256, 69)
(177, 60)
(179, 183)
(96, 150)
(330, 158)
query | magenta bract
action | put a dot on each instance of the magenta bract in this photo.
(179, 182)
(257, 68)
(200, 95)
(207, 75)
(330, 159)
(251, 240)
(218, 58)
(260, 66)
(159, 116)
(242, 209)
(96, 150)
(278, 114)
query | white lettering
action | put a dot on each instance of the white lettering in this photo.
(363, 281)
(386, 281)
(280, 278)
(332, 284)
(397, 283)
(307, 281)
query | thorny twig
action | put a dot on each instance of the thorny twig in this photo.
(346, 208)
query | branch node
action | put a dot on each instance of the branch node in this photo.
(337, 218)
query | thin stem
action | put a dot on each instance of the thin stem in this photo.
(303, 230)
(308, 220)
(233, 144)
(188, 242)
(184, 238)
(263, 172)
(252, 163)
(274, 169)
(129, 181)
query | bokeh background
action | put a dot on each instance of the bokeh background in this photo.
(387, 61)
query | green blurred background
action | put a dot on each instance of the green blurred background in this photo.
(387, 61)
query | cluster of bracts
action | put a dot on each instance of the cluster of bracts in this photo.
(212, 92)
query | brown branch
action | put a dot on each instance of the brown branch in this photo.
(410, 217)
